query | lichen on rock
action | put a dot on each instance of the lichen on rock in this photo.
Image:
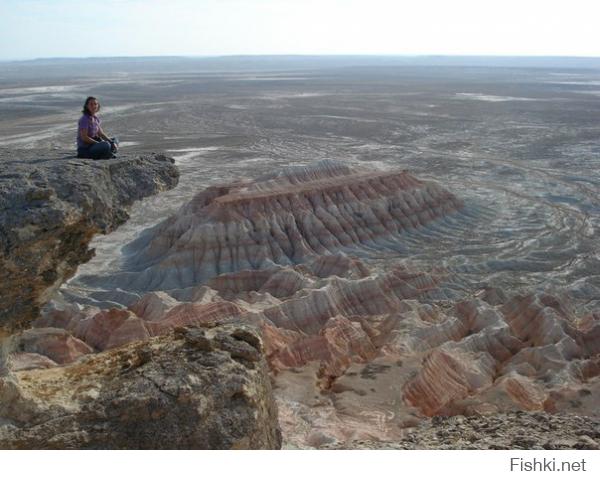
(195, 388)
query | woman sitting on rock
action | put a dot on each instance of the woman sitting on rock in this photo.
(92, 142)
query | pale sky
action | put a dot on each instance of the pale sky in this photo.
(75, 28)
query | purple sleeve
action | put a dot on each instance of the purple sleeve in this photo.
(84, 122)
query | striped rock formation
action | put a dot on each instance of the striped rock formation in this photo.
(292, 217)
(384, 353)
(359, 348)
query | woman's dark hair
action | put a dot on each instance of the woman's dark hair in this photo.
(85, 105)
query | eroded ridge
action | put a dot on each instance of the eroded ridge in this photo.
(284, 219)
(362, 356)
(358, 348)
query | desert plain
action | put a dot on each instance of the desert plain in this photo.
(489, 305)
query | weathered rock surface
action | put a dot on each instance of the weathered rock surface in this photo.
(505, 431)
(195, 388)
(50, 208)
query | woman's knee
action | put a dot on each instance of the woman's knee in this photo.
(101, 150)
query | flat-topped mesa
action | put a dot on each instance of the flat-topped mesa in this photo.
(288, 218)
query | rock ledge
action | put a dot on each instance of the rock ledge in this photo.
(50, 208)
(196, 388)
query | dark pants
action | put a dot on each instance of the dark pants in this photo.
(96, 151)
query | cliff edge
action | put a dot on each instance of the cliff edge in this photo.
(50, 208)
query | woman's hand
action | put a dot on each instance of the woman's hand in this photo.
(103, 135)
(85, 138)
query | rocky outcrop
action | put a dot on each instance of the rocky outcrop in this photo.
(51, 208)
(196, 388)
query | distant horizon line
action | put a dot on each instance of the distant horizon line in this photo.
(302, 55)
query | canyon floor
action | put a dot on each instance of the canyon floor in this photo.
(489, 305)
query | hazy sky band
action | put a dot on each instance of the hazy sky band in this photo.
(70, 28)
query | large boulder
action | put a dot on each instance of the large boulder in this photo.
(196, 388)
